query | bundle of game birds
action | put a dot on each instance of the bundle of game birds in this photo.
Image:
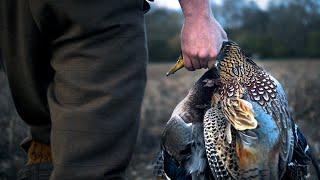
(234, 123)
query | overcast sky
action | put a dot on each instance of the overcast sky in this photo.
(174, 4)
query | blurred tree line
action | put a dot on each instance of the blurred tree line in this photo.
(286, 29)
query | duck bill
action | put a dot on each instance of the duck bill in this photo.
(179, 65)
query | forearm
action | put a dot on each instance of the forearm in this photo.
(196, 9)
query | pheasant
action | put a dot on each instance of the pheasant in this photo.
(233, 124)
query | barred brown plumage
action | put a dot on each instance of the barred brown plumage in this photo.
(221, 154)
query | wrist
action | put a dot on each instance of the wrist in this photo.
(198, 17)
(199, 20)
(196, 9)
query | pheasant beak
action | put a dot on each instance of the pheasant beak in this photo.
(179, 64)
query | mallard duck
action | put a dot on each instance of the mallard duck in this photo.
(182, 154)
(233, 124)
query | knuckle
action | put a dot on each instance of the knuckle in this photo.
(192, 53)
(203, 55)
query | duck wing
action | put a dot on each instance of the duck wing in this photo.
(182, 153)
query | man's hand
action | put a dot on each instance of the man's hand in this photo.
(202, 36)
